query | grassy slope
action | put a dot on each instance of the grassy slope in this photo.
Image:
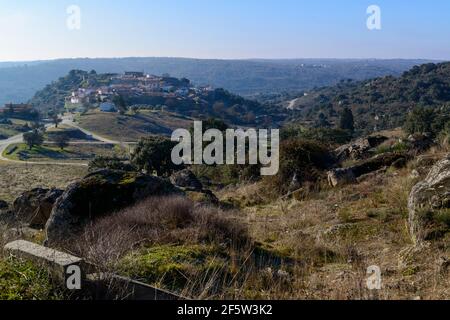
(11, 130)
(336, 234)
(18, 178)
(130, 127)
(48, 152)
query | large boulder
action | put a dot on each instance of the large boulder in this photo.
(98, 194)
(186, 179)
(358, 149)
(427, 200)
(35, 206)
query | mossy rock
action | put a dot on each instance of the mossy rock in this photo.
(98, 194)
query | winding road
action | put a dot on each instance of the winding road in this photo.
(67, 120)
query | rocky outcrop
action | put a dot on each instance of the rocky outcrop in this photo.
(34, 207)
(358, 149)
(98, 194)
(186, 179)
(342, 176)
(419, 143)
(427, 199)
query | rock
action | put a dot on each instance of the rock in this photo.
(427, 160)
(186, 179)
(371, 175)
(358, 149)
(339, 177)
(100, 193)
(427, 196)
(342, 176)
(34, 207)
(193, 188)
(378, 162)
(419, 143)
(3, 205)
(414, 174)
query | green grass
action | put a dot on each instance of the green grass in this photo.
(24, 281)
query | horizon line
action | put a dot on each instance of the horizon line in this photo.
(214, 59)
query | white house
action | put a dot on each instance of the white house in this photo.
(108, 107)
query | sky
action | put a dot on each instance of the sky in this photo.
(224, 29)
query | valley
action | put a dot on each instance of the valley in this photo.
(357, 161)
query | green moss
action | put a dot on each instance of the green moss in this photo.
(172, 266)
(23, 281)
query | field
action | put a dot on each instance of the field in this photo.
(50, 152)
(131, 127)
(18, 178)
(9, 130)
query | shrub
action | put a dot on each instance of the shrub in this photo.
(157, 221)
(112, 163)
(153, 154)
(304, 159)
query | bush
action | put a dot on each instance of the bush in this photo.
(158, 221)
(112, 163)
(304, 159)
(154, 155)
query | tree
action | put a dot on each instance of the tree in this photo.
(120, 103)
(33, 138)
(419, 121)
(322, 121)
(154, 154)
(55, 118)
(347, 122)
(62, 140)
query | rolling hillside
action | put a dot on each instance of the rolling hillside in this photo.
(19, 81)
(380, 103)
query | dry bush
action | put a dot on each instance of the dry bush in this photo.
(157, 221)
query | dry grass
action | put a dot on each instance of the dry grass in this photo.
(18, 178)
(158, 221)
(333, 236)
(130, 127)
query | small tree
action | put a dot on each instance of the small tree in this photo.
(154, 155)
(62, 141)
(33, 138)
(347, 121)
(120, 103)
(55, 118)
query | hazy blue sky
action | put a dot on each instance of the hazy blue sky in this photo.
(36, 29)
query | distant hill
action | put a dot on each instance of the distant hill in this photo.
(19, 81)
(215, 103)
(380, 103)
